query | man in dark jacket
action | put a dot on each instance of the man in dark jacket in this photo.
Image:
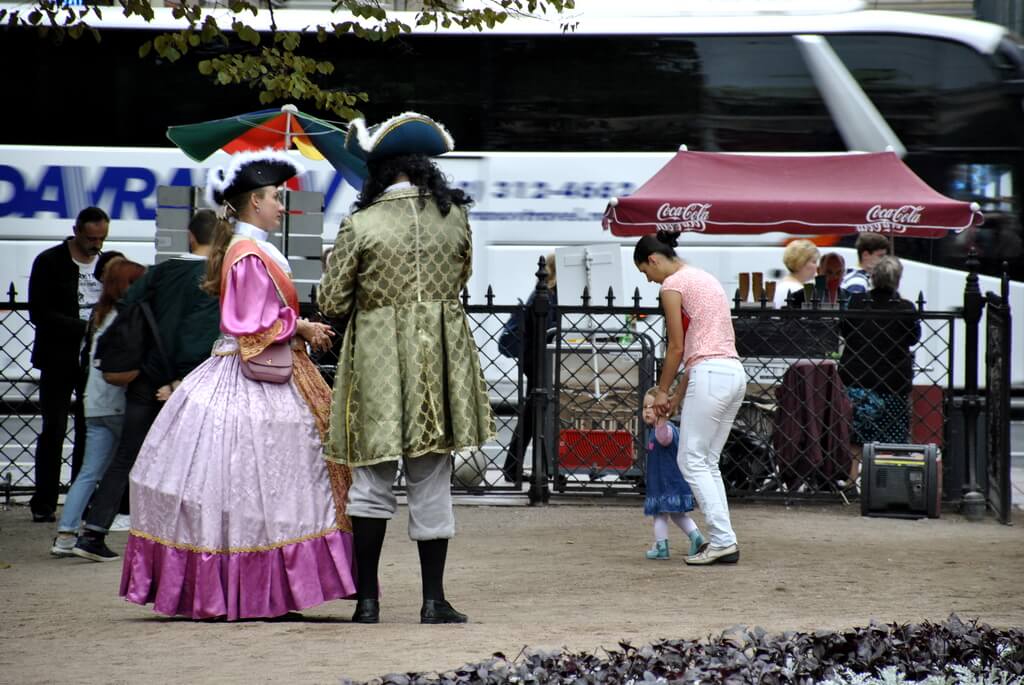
(62, 289)
(188, 321)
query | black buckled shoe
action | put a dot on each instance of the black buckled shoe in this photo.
(440, 611)
(367, 611)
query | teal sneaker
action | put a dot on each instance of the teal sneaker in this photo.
(659, 551)
(696, 540)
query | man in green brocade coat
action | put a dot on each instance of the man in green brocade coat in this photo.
(408, 384)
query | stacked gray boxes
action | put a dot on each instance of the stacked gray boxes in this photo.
(300, 238)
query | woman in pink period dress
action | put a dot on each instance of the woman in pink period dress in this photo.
(235, 513)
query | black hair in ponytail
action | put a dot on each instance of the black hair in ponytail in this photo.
(662, 242)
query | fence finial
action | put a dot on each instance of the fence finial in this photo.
(465, 296)
(636, 298)
(586, 296)
(610, 297)
(12, 293)
(489, 296)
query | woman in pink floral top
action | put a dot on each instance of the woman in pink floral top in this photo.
(701, 338)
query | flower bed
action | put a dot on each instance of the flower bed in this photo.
(950, 652)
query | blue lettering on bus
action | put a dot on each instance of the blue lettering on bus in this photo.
(12, 187)
(131, 186)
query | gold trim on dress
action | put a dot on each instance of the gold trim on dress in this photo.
(251, 345)
(231, 550)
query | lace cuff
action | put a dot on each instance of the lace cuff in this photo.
(251, 345)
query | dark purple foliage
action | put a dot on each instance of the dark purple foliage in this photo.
(751, 655)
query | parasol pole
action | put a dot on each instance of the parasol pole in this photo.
(290, 111)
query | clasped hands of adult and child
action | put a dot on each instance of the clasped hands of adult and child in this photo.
(665, 406)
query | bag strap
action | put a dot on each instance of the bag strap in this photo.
(151, 320)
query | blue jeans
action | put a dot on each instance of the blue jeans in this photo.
(102, 434)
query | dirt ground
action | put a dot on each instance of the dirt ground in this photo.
(558, 576)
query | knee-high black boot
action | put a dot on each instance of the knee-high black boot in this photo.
(433, 554)
(368, 539)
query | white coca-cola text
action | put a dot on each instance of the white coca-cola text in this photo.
(693, 215)
(905, 215)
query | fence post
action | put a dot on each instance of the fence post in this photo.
(973, 503)
(539, 491)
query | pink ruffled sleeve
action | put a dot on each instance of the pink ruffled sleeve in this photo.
(251, 304)
(664, 434)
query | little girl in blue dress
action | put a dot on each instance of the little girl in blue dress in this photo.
(668, 495)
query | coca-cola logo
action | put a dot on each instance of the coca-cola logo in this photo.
(893, 219)
(691, 217)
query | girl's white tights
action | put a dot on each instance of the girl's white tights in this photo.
(684, 522)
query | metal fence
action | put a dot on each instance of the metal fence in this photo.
(576, 425)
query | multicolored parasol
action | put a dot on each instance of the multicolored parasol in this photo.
(278, 129)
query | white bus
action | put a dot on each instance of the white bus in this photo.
(549, 125)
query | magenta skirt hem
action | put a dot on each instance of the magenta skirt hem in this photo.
(265, 584)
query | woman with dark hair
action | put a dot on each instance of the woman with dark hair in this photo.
(103, 404)
(233, 513)
(408, 384)
(701, 337)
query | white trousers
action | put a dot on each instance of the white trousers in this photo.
(428, 483)
(713, 397)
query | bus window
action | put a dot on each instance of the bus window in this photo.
(759, 96)
(990, 185)
(934, 93)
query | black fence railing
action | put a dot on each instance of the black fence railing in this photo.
(820, 381)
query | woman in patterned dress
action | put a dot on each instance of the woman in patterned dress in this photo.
(408, 385)
(232, 507)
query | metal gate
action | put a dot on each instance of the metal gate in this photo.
(997, 382)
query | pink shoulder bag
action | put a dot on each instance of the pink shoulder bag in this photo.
(272, 365)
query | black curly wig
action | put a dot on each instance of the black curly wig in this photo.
(422, 173)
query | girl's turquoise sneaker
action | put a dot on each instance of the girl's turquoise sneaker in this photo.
(659, 550)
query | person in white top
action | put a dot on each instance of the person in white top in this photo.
(801, 259)
(104, 410)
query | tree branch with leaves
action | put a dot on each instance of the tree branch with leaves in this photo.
(255, 53)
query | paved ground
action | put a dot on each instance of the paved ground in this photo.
(562, 575)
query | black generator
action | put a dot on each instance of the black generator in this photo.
(903, 481)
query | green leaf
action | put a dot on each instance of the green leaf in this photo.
(145, 49)
(205, 67)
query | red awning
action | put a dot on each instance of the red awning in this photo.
(712, 192)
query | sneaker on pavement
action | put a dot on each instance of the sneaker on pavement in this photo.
(707, 555)
(94, 550)
(63, 544)
(121, 524)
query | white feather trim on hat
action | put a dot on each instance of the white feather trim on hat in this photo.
(220, 178)
(368, 140)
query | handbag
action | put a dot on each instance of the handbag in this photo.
(272, 365)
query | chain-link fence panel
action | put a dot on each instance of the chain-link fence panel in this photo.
(20, 420)
(820, 383)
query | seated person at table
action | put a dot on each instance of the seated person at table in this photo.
(833, 267)
(801, 259)
(877, 365)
